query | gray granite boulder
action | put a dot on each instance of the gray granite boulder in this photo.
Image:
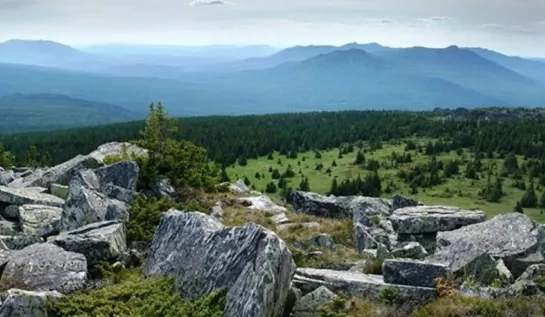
(20, 303)
(338, 207)
(424, 219)
(58, 190)
(117, 148)
(323, 241)
(412, 250)
(45, 267)
(310, 304)
(27, 196)
(358, 285)
(399, 201)
(262, 203)
(86, 204)
(253, 264)
(370, 237)
(18, 242)
(8, 227)
(413, 272)
(39, 219)
(532, 271)
(98, 242)
(513, 237)
(6, 177)
(123, 174)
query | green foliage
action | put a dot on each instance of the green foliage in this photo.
(145, 215)
(375, 267)
(6, 158)
(128, 293)
(389, 296)
(529, 199)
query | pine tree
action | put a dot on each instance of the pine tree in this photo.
(304, 185)
(334, 163)
(360, 158)
(334, 189)
(257, 175)
(542, 200)
(271, 188)
(518, 208)
(247, 181)
(529, 199)
(224, 177)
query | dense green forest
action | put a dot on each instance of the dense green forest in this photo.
(229, 139)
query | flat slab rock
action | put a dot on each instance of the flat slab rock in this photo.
(39, 219)
(98, 242)
(20, 303)
(513, 237)
(342, 207)
(251, 262)
(413, 272)
(358, 285)
(45, 267)
(263, 203)
(428, 219)
(23, 196)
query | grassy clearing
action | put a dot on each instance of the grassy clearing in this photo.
(340, 231)
(457, 191)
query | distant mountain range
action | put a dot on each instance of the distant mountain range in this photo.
(210, 80)
(38, 112)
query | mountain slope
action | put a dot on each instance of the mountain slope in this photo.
(43, 53)
(466, 68)
(349, 79)
(38, 112)
(527, 67)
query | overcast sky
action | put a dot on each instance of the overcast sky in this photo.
(511, 26)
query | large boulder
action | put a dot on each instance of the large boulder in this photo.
(513, 237)
(399, 201)
(45, 267)
(39, 220)
(359, 285)
(310, 304)
(339, 207)
(28, 196)
(426, 219)
(86, 204)
(99, 242)
(20, 303)
(117, 148)
(123, 174)
(6, 177)
(253, 264)
(262, 203)
(413, 272)
(413, 250)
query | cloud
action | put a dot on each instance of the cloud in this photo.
(506, 28)
(434, 20)
(208, 2)
(381, 21)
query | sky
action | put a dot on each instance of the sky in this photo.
(511, 26)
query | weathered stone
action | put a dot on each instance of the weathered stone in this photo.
(98, 242)
(20, 303)
(413, 272)
(117, 148)
(369, 253)
(119, 193)
(280, 219)
(85, 204)
(23, 196)
(503, 272)
(427, 240)
(322, 240)
(123, 174)
(309, 305)
(465, 258)
(4, 255)
(8, 228)
(513, 237)
(424, 219)
(45, 267)
(369, 237)
(359, 285)
(6, 177)
(58, 190)
(294, 294)
(263, 203)
(253, 264)
(532, 271)
(163, 188)
(399, 201)
(339, 207)
(239, 187)
(413, 250)
(217, 210)
(11, 212)
(19, 242)
(39, 220)
(360, 266)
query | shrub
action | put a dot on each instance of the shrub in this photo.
(128, 293)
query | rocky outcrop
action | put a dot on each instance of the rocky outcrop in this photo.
(513, 237)
(86, 204)
(262, 203)
(399, 201)
(45, 267)
(39, 220)
(117, 148)
(6, 177)
(359, 285)
(28, 196)
(123, 174)
(253, 264)
(20, 303)
(428, 219)
(98, 242)
(413, 272)
(310, 304)
(338, 207)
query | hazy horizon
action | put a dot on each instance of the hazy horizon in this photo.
(515, 27)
